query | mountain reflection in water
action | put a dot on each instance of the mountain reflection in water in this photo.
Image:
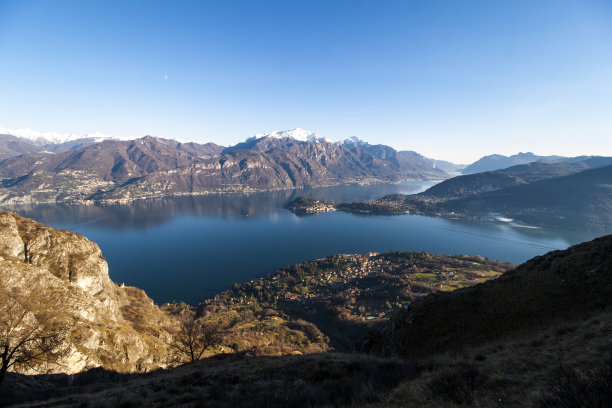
(190, 248)
(144, 214)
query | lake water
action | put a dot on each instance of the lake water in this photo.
(190, 248)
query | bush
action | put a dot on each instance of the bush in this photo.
(457, 385)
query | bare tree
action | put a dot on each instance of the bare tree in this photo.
(32, 328)
(195, 335)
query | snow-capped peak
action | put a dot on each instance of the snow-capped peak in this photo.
(353, 141)
(40, 138)
(300, 134)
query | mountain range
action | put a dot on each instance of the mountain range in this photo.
(471, 184)
(11, 146)
(121, 171)
(573, 194)
(49, 168)
(498, 161)
(581, 201)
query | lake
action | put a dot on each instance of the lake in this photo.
(189, 248)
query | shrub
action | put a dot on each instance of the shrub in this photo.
(457, 385)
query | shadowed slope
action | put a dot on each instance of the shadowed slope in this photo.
(559, 286)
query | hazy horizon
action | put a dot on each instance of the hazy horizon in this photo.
(450, 80)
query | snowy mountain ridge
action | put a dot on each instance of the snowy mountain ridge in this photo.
(353, 141)
(44, 138)
(304, 135)
(299, 134)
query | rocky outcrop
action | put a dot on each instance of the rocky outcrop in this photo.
(114, 327)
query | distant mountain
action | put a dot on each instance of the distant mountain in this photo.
(113, 160)
(299, 134)
(582, 201)
(268, 141)
(77, 174)
(406, 160)
(388, 153)
(271, 163)
(71, 145)
(54, 138)
(450, 168)
(463, 186)
(497, 161)
(153, 167)
(557, 288)
(11, 146)
(351, 158)
(14, 146)
(569, 195)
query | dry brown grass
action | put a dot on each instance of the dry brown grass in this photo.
(517, 373)
(236, 380)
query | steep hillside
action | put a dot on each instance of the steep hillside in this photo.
(114, 327)
(558, 287)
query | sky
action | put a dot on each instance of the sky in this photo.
(452, 80)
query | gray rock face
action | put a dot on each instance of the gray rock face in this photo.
(114, 327)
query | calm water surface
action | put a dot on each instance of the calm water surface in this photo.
(190, 248)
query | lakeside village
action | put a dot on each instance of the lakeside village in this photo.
(360, 286)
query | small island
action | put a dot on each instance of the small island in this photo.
(307, 205)
(389, 205)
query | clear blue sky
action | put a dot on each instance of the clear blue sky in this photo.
(450, 79)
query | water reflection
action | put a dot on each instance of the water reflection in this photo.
(189, 248)
(145, 214)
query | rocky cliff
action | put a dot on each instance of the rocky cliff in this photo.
(113, 326)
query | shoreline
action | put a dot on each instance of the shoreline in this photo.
(230, 189)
